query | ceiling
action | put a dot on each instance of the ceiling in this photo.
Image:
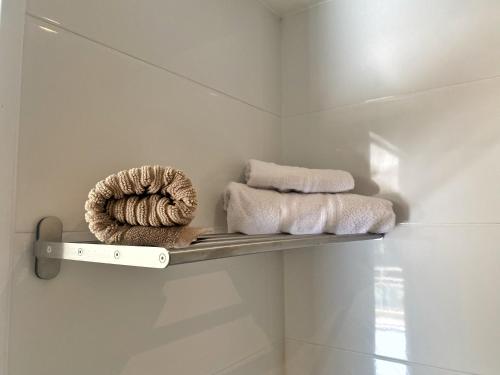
(282, 7)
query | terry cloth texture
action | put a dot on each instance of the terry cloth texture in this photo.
(258, 211)
(150, 206)
(264, 175)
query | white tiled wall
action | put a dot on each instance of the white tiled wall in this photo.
(317, 359)
(345, 52)
(89, 111)
(230, 46)
(433, 152)
(215, 317)
(406, 96)
(11, 41)
(426, 294)
(112, 85)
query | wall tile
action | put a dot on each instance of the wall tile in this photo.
(345, 52)
(426, 294)
(268, 361)
(320, 360)
(405, 96)
(200, 318)
(88, 111)
(230, 45)
(434, 154)
(11, 41)
(329, 295)
(276, 293)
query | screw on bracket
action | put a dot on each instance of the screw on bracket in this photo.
(117, 254)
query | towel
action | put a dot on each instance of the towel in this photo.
(256, 211)
(148, 206)
(265, 175)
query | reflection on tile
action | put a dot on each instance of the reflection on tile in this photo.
(330, 295)
(424, 151)
(390, 319)
(427, 294)
(384, 164)
(203, 352)
(128, 320)
(231, 46)
(391, 368)
(276, 292)
(214, 291)
(88, 112)
(348, 51)
(268, 361)
(303, 358)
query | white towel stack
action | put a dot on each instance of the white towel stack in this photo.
(283, 199)
(259, 174)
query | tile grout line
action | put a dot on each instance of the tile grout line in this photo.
(306, 8)
(406, 362)
(293, 12)
(270, 8)
(242, 360)
(157, 66)
(12, 243)
(380, 357)
(390, 98)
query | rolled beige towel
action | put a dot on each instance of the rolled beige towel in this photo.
(148, 206)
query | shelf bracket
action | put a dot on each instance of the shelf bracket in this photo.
(50, 250)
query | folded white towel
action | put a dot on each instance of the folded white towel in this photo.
(255, 211)
(265, 175)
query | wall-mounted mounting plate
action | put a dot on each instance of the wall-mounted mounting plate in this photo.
(50, 250)
(48, 229)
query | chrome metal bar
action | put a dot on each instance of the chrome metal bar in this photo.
(234, 236)
(138, 256)
(244, 238)
(216, 251)
(49, 250)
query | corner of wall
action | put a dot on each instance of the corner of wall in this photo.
(11, 40)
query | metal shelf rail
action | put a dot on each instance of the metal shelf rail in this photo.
(49, 250)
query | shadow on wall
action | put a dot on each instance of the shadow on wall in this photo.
(376, 95)
(125, 320)
(373, 161)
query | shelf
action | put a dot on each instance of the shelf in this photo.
(50, 250)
